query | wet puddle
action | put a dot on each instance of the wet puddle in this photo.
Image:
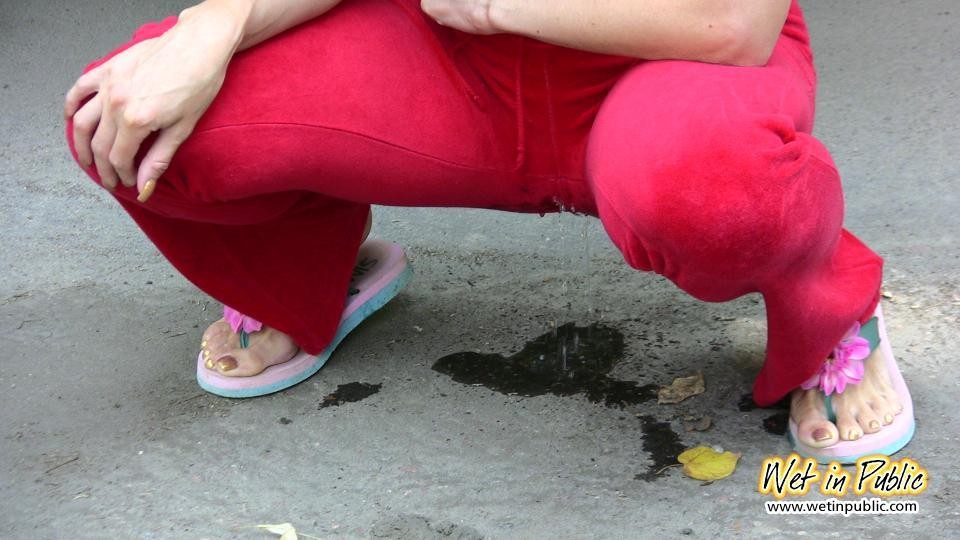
(663, 446)
(570, 360)
(775, 424)
(746, 403)
(348, 393)
(566, 361)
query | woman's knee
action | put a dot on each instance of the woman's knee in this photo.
(735, 198)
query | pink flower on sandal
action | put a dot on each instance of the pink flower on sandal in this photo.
(844, 366)
(238, 320)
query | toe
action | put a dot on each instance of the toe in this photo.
(238, 363)
(215, 329)
(895, 403)
(808, 411)
(881, 407)
(818, 433)
(885, 403)
(847, 424)
(218, 340)
(208, 359)
(880, 394)
(868, 420)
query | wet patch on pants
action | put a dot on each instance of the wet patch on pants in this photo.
(566, 361)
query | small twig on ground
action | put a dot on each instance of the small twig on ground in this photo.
(15, 297)
(22, 323)
(667, 467)
(69, 461)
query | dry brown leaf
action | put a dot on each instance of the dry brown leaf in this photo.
(681, 389)
(705, 463)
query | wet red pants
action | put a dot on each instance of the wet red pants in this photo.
(706, 174)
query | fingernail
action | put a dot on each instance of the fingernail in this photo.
(888, 418)
(227, 363)
(874, 424)
(821, 434)
(147, 191)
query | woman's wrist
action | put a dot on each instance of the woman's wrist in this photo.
(224, 22)
(506, 18)
(245, 23)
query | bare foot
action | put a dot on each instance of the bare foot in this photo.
(222, 352)
(863, 408)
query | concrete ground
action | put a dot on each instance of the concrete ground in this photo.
(105, 433)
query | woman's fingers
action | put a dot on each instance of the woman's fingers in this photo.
(129, 137)
(117, 147)
(87, 84)
(158, 86)
(158, 158)
(101, 144)
(85, 123)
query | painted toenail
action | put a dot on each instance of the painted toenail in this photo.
(209, 363)
(203, 343)
(227, 363)
(874, 424)
(854, 435)
(821, 434)
(888, 418)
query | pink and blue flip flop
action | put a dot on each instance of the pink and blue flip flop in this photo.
(888, 440)
(382, 271)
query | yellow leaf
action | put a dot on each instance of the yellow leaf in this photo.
(705, 463)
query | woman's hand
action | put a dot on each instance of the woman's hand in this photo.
(472, 16)
(162, 86)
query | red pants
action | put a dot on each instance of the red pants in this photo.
(706, 174)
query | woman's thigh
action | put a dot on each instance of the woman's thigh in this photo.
(362, 104)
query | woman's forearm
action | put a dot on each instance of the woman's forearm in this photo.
(741, 32)
(248, 22)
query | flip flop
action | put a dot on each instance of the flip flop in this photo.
(891, 438)
(382, 271)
